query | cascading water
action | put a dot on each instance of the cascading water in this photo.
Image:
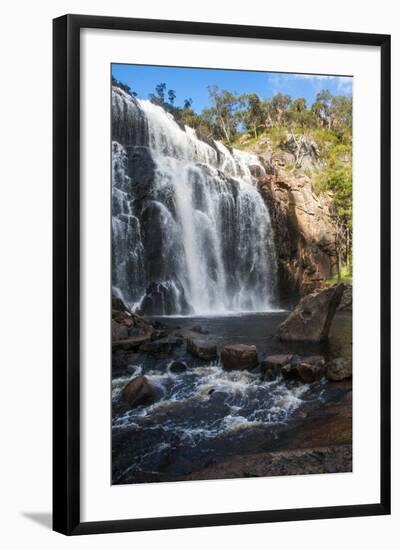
(190, 231)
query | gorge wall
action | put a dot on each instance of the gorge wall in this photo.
(305, 232)
(304, 223)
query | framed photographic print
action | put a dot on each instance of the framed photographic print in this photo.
(221, 274)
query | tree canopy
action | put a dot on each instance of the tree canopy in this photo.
(230, 115)
(123, 86)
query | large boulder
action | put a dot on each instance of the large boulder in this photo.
(239, 356)
(118, 306)
(138, 392)
(162, 346)
(177, 367)
(339, 369)
(119, 331)
(199, 329)
(311, 319)
(133, 343)
(271, 366)
(202, 348)
(158, 334)
(307, 369)
(165, 298)
(311, 370)
(128, 330)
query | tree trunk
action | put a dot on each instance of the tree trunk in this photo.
(225, 130)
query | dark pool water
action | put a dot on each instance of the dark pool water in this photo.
(260, 329)
(206, 414)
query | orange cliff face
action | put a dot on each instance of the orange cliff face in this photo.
(305, 231)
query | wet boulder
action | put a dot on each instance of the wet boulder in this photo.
(165, 298)
(119, 331)
(138, 392)
(158, 334)
(131, 343)
(339, 369)
(311, 319)
(202, 348)
(239, 356)
(307, 369)
(162, 346)
(199, 329)
(118, 305)
(128, 330)
(271, 366)
(129, 336)
(120, 359)
(177, 367)
(312, 370)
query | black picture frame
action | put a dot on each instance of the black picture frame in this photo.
(66, 272)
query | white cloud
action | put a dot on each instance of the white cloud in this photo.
(281, 81)
(344, 83)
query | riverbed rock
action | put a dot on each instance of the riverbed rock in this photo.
(239, 356)
(118, 305)
(162, 346)
(158, 334)
(132, 343)
(311, 371)
(128, 330)
(202, 348)
(138, 392)
(307, 369)
(311, 319)
(271, 365)
(339, 369)
(165, 298)
(119, 331)
(199, 329)
(328, 422)
(319, 460)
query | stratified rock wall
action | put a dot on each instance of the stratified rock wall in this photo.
(304, 231)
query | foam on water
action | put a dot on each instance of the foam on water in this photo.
(202, 414)
(243, 401)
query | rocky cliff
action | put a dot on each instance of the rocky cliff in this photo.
(304, 224)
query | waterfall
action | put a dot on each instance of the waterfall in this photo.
(190, 232)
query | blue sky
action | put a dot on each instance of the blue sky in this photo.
(192, 83)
